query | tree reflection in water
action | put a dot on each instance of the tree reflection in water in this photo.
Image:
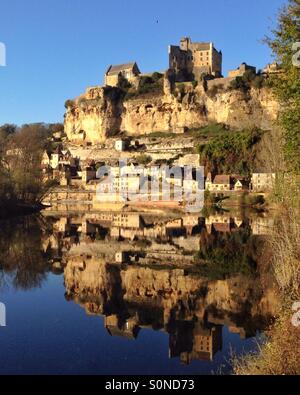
(23, 263)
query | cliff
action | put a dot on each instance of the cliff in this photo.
(104, 112)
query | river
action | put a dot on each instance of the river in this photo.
(133, 293)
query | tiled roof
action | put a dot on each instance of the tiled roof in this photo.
(116, 69)
(222, 179)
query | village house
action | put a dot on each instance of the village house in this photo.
(190, 61)
(88, 174)
(225, 182)
(114, 73)
(262, 182)
(121, 145)
(120, 185)
(58, 158)
(240, 183)
(218, 183)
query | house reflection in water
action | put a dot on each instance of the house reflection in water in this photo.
(138, 271)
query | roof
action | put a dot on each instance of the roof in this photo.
(116, 69)
(46, 154)
(201, 46)
(222, 179)
(57, 150)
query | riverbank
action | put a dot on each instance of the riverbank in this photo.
(279, 355)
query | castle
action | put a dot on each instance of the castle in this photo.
(190, 61)
(187, 62)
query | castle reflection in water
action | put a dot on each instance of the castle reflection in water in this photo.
(184, 274)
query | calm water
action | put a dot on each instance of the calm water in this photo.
(104, 294)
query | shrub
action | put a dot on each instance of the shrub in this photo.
(156, 76)
(214, 90)
(124, 84)
(239, 84)
(249, 79)
(144, 159)
(259, 82)
(147, 85)
(231, 152)
(69, 104)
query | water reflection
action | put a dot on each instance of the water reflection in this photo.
(22, 261)
(185, 275)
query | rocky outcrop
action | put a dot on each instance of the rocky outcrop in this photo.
(103, 112)
(94, 116)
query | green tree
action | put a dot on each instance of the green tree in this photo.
(286, 85)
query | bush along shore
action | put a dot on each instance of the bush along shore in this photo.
(279, 354)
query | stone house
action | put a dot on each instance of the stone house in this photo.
(113, 74)
(190, 60)
(121, 145)
(120, 185)
(45, 160)
(88, 174)
(58, 158)
(218, 183)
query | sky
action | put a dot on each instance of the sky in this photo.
(55, 49)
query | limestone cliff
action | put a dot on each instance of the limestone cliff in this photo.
(103, 112)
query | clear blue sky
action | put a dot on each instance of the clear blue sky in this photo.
(56, 48)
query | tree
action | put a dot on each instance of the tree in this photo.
(286, 85)
(26, 149)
